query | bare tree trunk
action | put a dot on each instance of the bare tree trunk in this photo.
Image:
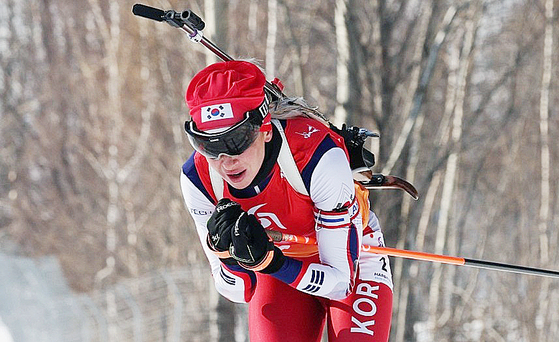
(342, 63)
(377, 62)
(217, 21)
(401, 295)
(451, 175)
(296, 57)
(544, 133)
(406, 297)
(110, 32)
(542, 315)
(453, 163)
(425, 17)
(111, 37)
(223, 311)
(420, 92)
(210, 30)
(226, 319)
(252, 19)
(448, 183)
(554, 317)
(271, 38)
(148, 94)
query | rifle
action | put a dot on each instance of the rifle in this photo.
(361, 159)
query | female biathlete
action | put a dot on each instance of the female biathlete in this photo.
(251, 173)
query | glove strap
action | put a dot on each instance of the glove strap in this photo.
(266, 261)
(219, 254)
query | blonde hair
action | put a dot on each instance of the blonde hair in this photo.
(290, 107)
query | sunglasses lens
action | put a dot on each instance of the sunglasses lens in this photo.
(231, 142)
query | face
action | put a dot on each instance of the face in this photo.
(239, 171)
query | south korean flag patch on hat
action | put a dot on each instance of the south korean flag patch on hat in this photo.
(216, 112)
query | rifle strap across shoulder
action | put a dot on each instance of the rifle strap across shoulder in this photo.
(217, 183)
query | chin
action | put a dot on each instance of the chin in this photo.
(241, 183)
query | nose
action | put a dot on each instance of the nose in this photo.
(228, 162)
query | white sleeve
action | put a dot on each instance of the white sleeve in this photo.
(339, 228)
(228, 283)
(332, 181)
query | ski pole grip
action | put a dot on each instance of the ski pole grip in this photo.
(274, 235)
(148, 12)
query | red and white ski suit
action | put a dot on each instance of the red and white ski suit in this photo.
(329, 281)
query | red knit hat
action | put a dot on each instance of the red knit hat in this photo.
(220, 95)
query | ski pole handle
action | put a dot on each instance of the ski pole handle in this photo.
(148, 12)
(279, 236)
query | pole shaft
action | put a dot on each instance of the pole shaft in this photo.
(445, 259)
(224, 56)
(511, 268)
(414, 255)
(208, 44)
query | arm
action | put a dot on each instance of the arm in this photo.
(339, 230)
(232, 281)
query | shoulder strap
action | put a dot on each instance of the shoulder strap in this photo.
(285, 161)
(217, 183)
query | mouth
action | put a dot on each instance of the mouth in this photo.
(236, 176)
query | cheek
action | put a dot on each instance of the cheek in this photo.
(254, 156)
(217, 165)
(250, 161)
(258, 157)
(213, 163)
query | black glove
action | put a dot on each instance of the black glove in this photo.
(252, 248)
(220, 225)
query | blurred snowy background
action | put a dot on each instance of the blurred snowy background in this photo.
(95, 243)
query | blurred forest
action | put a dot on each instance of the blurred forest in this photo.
(462, 93)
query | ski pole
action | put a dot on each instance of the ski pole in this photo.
(193, 25)
(187, 21)
(445, 259)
